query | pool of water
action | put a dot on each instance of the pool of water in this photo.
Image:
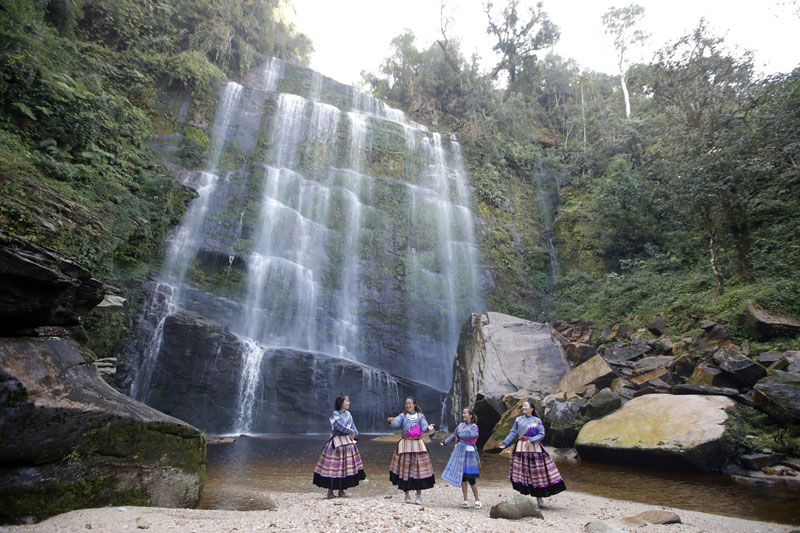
(238, 472)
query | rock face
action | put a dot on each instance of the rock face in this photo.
(68, 440)
(764, 325)
(662, 430)
(559, 420)
(500, 354)
(294, 393)
(595, 371)
(38, 288)
(779, 395)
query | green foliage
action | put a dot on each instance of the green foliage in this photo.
(195, 147)
(751, 431)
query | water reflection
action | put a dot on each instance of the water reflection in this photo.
(239, 474)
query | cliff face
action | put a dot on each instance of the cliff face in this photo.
(67, 439)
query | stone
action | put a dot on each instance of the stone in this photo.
(620, 331)
(647, 364)
(516, 508)
(627, 351)
(659, 517)
(578, 353)
(39, 287)
(759, 480)
(668, 431)
(767, 358)
(604, 402)
(599, 526)
(757, 461)
(559, 421)
(657, 325)
(499, 354)
(113, 301)
(595, 371)
(620, 383)
(587, 392)
(663, 345)
(709, 376)
(653, 374)
(764, 325)
(501, 430)
(743, 369)
(683, 366)
(716, 335)
(69, 441)
(511, 399)
(686, 388)
(779, 395)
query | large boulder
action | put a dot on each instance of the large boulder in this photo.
(764, 325)
(68, 440)
(516, 508)
(500, 354)
(779, 395)
(200, 362)
(662, 430)
(560, 418)
(604, 402)
(40, 289)
(741, 368)
(594, 371)
(503, 427)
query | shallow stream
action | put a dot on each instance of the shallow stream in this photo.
(238, 472)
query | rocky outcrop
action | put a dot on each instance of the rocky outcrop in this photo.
(40, 290)
(68, 440)
(559, 419)
(594, 371)
(764, 325)
(500, 354)
(201, 362)
(661, 430)
(779, 395)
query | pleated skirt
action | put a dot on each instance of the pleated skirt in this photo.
(535, 474)
(339, 468)
(411, 471)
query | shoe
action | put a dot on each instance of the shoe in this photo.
(330, 496)
(408, 498)
(342, 494)
(465, 505)
(478, 505)
(540, 501)
(418, 501)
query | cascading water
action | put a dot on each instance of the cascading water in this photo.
(349, 260)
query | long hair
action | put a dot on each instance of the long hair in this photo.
(337, 404)
(416, 406)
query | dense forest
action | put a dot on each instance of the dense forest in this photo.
(677, 180)
(670, 187)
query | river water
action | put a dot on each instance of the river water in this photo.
(250, 466)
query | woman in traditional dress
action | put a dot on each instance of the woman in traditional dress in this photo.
(532, 471)
(464, 463)
(339, 466)
(411, 467)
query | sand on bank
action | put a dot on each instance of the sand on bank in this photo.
(309, 511)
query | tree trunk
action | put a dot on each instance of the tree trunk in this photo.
(717, 275)
(740, 228)
(624, 83)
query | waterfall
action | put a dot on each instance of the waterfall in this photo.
(347, 244)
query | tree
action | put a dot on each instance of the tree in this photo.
(517, 39)
(620, 23)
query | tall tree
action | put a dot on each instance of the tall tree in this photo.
(620, 23)
(517, 37)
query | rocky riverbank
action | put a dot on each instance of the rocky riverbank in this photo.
(568, 512)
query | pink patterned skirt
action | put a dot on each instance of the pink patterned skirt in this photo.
(339, 467)
(534, 473)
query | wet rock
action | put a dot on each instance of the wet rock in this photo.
(594, 371)
(38, 287)
(604, 402)
(779, 395)
(743, 369)
(578, 353)
(499, 354)
(764, 325)
(684, 432)
(759, 480)
(68, 440)
(516, 508)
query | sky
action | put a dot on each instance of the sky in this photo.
(351, 36)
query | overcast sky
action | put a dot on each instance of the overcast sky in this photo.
(354, 35)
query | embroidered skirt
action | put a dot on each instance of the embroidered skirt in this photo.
(339, 467)
(411, 470)
(534, 473)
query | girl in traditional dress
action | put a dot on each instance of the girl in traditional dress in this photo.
(339, 466)
(462, 468)
(411, 467)
(532, 471)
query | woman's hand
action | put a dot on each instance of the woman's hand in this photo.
(502, 446)
(431, 427)
(441, 443)
(390, 420)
